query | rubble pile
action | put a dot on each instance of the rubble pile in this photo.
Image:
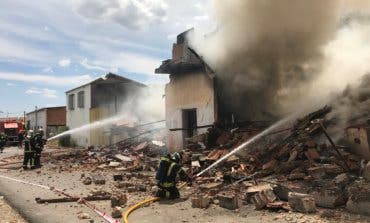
(301, 172)
(127, 155)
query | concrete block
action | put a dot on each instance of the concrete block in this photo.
(304, 203)
(323, 170)
(282, 192)
(117, 212)
(359, 198)
(228, 201)
(330, 197)
(98, 179)
(262, 198)
(118, 200)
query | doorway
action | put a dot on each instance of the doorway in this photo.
(189, 122)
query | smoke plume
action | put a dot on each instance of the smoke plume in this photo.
(280, 56)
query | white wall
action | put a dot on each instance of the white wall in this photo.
(188, 91)
(80, 116)
(41, 119)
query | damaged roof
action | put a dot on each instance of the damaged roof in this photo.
(184, 58)
(110, 78)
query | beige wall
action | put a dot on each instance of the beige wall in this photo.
(361, 145)
(187, 91)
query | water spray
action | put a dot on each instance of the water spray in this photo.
(247, 143)
(101, 123)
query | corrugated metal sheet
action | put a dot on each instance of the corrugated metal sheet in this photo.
(97, 136)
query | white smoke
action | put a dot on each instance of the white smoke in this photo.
(280, 56)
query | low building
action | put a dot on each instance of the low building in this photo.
(50, 119)
(190, 94)
(97, 100)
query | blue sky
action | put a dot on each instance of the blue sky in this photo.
(50, 46)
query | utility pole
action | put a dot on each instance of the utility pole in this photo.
(34, 128)
(24, 119)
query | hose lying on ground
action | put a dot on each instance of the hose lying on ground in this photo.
(142, 203)
(138, 205)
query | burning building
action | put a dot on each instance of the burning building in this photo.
(190, 95)
(97, 100)
(193, 95)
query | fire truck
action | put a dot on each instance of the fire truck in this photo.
(11, 127)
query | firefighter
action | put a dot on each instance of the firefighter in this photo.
(169, 168)
(38, 147)
(29, 152)
(3, 140)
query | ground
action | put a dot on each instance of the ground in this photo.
(8, 214)
(22, 197)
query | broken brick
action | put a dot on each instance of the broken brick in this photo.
(269, 165)
(321, 171)
(312, 154)
(117, 177)
(296, 176)
(87, 181)
(210, 186)
(199, 201)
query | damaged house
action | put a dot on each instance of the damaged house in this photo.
(193, 95)
(190, 94)
(97, 100)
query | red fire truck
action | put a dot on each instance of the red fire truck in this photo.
(11, 127)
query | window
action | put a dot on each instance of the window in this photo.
(71, 101)
(81, 99)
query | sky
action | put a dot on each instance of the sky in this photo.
(50, 46)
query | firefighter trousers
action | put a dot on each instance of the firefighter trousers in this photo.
(29, 158)
(37, 160)
(168, 192)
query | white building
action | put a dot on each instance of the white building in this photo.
(50, 119)
(95, 101)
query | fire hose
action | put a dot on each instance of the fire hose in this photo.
(142, 203)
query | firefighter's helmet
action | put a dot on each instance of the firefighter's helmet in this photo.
(30, 133)
(177, 157)
(40, 131)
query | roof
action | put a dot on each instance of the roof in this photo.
(191, 62)
(41, 109)
(110, 76)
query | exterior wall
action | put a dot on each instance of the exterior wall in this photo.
(41, 119)
(80, 116)
(99, 136)
(359, 137)
(187, 91)
(56, 116)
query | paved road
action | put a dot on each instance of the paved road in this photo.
(8, 214)
(11, 151)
